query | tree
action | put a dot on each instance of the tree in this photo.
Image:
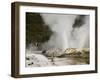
(36, 30)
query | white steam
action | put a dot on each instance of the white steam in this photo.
(65, 36)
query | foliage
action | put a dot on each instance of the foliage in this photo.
(36, 30)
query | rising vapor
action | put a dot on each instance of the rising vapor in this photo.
(70, 31)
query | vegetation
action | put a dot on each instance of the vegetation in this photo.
(36, 30)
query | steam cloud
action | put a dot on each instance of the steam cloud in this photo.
(65, 35)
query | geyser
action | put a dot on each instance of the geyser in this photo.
(65, 34)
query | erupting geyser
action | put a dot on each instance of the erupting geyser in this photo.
(70, 34)
(70, 31)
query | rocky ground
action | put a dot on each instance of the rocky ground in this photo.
(70, 56)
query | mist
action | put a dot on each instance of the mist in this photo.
(69, 31)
